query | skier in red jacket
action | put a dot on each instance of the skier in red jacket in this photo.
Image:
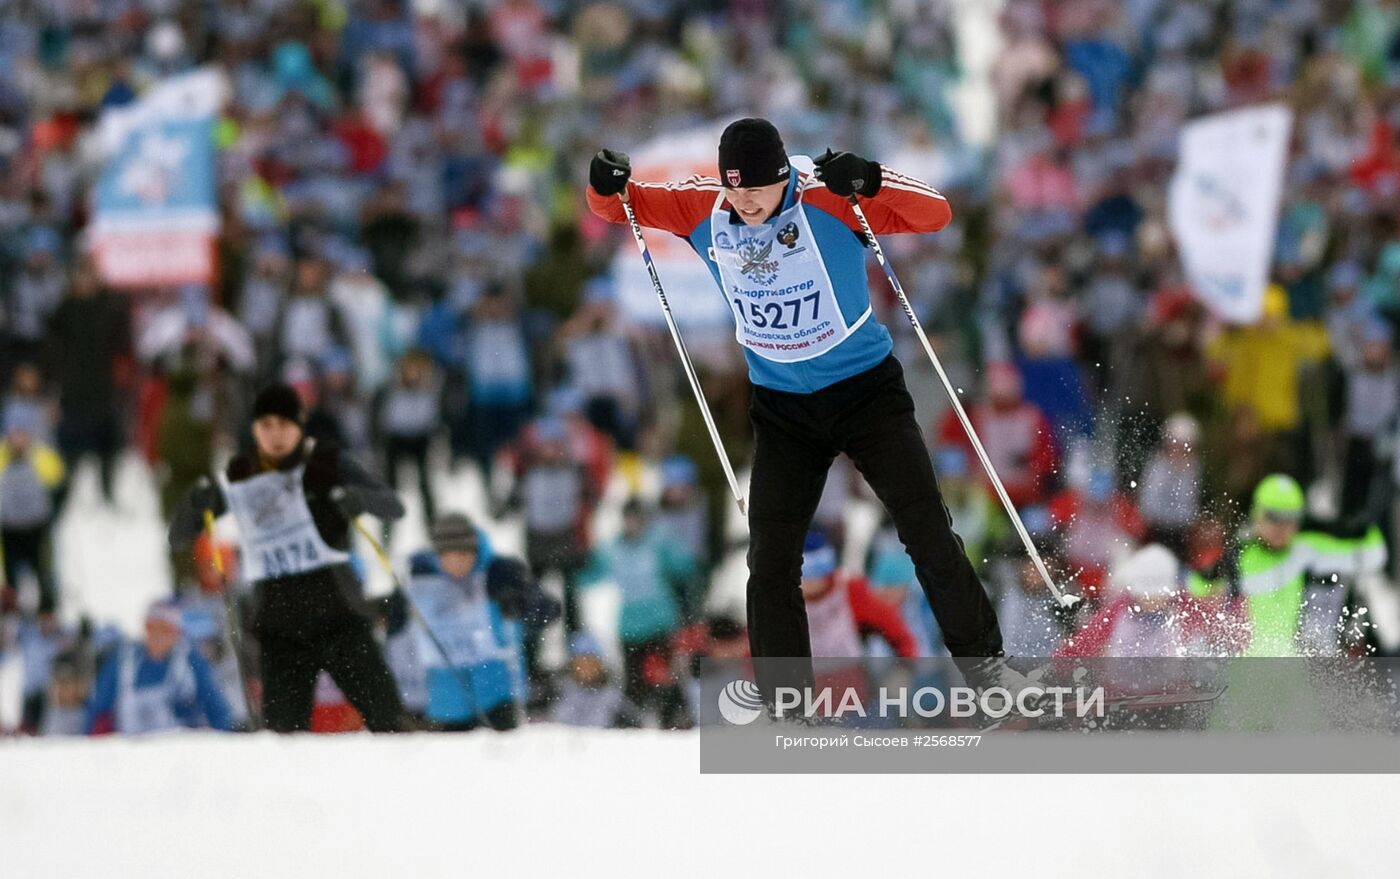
(785, 250)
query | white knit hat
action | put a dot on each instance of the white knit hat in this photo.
(1150, 571)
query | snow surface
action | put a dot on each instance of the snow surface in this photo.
(552, 801)
(547, 800)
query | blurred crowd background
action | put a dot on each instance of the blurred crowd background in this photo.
(404, 239)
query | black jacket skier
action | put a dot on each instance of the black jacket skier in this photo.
(307, 609)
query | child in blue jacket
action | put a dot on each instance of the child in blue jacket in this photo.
(480, 679)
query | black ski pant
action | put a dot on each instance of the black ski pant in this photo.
(549, 551)
(398, 449)
(94, 430)
(291, 662)
(31, 548)
(869, 417)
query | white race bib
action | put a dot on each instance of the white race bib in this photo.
(552, 496)
(150, 709)
(461, 624)
(784, 303)
(277, 534)
(498, 355)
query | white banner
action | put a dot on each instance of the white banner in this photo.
(690, 288)
(1223, 205)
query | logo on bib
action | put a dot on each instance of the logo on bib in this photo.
(265, 504)
(757, 266)
(787, 236)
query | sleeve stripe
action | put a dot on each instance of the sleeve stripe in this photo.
(1306, 558)
(708, 184)
(904, 178)
(1269, 580)
(920, 190)
(894, 178)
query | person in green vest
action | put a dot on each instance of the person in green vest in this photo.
(1291, 574)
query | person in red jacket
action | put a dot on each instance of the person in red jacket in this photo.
(1017, 435)
(842, 609)
(1153, 614)
(782, 241)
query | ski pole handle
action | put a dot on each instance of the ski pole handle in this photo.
(213, 550)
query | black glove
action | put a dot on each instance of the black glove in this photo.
(847, 173)
(350, 501)
(609, 172)
(205, 495)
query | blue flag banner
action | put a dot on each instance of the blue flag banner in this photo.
(155, 203)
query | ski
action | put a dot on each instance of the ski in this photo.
(1126, 703)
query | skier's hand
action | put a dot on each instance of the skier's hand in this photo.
(846, 174)
(350, 501)
(205, 495)
(609, 172)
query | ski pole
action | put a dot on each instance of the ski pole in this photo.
(235, 628)
(1063, 598)
(463, 676)
(684, 354)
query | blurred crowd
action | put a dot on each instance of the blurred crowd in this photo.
(404, 239)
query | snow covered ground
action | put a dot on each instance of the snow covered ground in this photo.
(549, 801)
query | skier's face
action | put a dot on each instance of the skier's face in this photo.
(457, 564)
(890, 596)
(161, 638)
(587, 670)
(277, 437)
(816, 587)
(18, 441)
(756, 204)
(1276, 532)
(1153, 602)
(68, 690)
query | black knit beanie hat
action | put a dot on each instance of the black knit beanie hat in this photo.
(278, 399)
(751, 153)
